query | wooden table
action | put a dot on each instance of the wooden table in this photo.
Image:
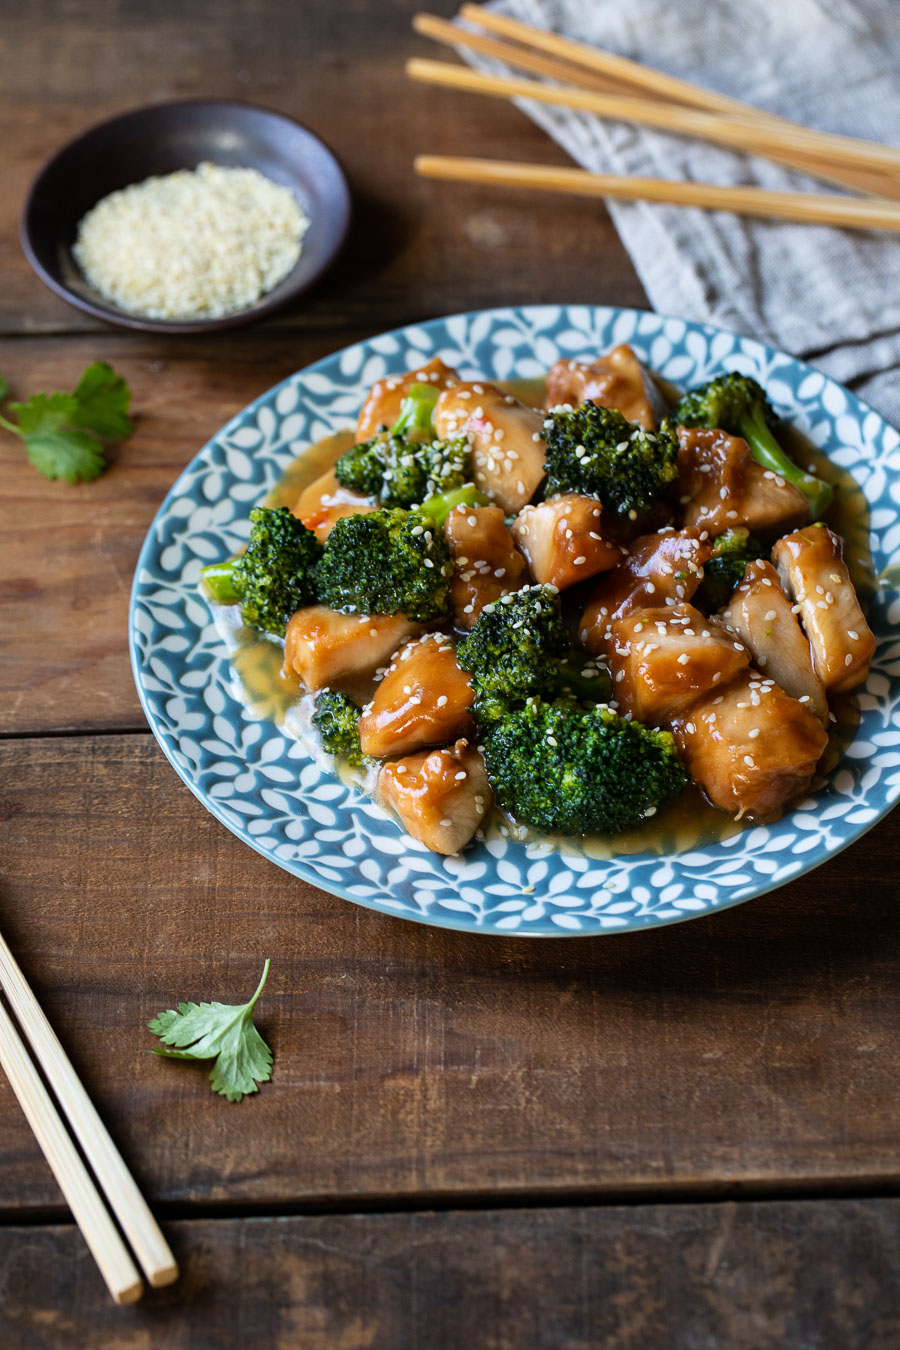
(684, 1138)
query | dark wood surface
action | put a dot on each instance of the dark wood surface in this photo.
(593, 1086)
(803, 1276)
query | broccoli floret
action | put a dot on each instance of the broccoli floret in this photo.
(513, 649)
(401, 472)
(571, 770)
(598, 452)
(447, 465)
(725, 569)
(275, 576)
(737, 404)
(404, 464)
(336, 719)
(388, 562)
(361, 468)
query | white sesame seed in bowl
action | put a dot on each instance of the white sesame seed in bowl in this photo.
(249, 209)
(194, 244)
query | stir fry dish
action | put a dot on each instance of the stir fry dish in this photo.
(568, 613)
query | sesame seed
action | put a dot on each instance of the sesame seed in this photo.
(442, 700)
(683, 659)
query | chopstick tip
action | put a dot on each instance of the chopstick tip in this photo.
(163, 1275)
(128, 1293)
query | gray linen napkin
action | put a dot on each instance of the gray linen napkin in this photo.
(828, 296)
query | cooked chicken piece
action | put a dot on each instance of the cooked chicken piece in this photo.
(813, 572)
(563, 540)
(505, 435)
(324, 501)
(659, 569)
(441, 796)
(662, 660)
(424, 699)
(486, 562)
(382, 407)
(618, 380)
(322, 646)
(723, 487)
(750, 747)
(760, 614)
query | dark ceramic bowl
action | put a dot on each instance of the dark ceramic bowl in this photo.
(158, 140)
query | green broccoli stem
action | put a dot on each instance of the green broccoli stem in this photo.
(766, 451)
(440, 507)
(417, 411)
(219, 581)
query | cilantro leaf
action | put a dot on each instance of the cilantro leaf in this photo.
(52, 445)
(220, 1031)
(57, 428)
(103, 398)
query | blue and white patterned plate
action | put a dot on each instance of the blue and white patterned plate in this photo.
(264, 786)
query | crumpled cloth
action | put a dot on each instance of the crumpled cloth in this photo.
(828, 296)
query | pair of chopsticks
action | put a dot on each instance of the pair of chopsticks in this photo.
(611, 86)
(75, 1181)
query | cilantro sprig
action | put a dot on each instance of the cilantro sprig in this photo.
(220, 1031)
(64, 433)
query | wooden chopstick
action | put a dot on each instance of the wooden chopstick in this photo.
(732, 132)
(813, 162)
(866, 213)
(654, 82)
(119, 1186)
(83, 1198)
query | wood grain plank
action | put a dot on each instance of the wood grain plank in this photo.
(416, 248)
(754, 1049)
(68, 553)
(811, 1276)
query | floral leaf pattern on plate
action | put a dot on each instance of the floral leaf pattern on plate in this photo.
(262, 784)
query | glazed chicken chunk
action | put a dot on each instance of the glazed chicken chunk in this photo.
(750, 747)
(424, 699)
(323, 646)
(562, 540)
(659, 569)
(722, 487)
(662, 660)
(486, 562)
(440, 796)
(618, 380)
(324, 501)
(382, 407)
(505, 435)
(813, 572)
(760, 614)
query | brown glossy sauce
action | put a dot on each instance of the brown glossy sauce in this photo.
(688, 822)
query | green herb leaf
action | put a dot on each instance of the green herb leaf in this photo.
(57, 428)
(220, 1031)
(103, 400)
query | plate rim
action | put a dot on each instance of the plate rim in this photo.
(299, 868)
